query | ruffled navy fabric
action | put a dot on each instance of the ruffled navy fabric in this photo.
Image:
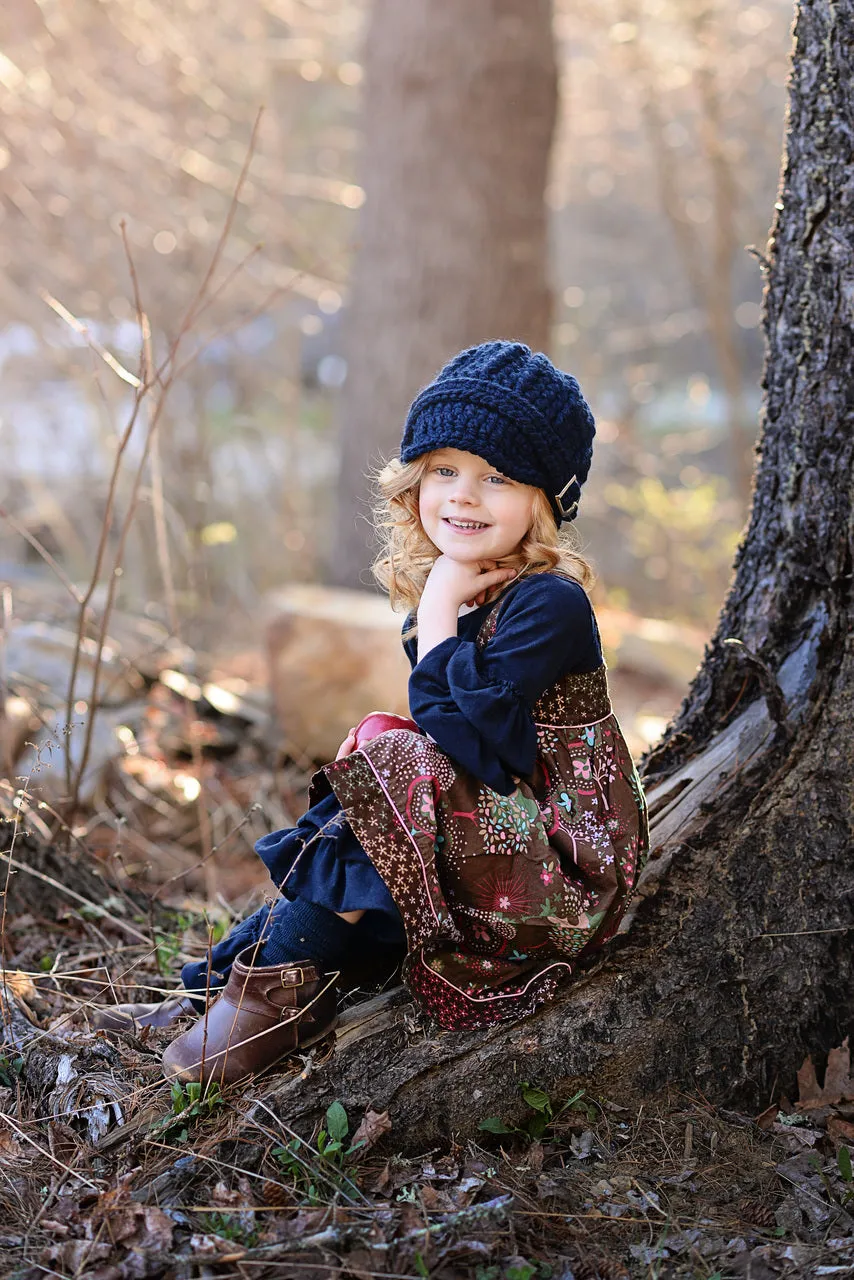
(464, 712)
(334, 871)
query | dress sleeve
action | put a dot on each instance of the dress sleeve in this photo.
(477, 704)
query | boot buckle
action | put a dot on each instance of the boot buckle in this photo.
(291, 974)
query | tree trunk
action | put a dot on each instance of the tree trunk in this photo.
(743, 960)
(459, 111)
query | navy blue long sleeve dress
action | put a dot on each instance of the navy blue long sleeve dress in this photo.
(477, 707)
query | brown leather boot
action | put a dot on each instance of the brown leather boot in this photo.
(263, 1014)
(130, 1017)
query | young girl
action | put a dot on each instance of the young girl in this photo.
(501, 833)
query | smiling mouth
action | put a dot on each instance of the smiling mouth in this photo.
(465, 526)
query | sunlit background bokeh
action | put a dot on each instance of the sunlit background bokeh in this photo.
(139, 114)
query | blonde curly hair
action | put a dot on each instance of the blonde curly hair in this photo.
(406, 555)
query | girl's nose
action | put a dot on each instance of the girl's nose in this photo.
(463, 491)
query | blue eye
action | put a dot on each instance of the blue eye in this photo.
(499, 479)
(445, 470)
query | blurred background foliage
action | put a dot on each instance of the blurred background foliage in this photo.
(137, 115)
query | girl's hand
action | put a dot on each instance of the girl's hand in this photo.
(452, 583)
(348, 746)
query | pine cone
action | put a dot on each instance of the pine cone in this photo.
(757, 1213)
(276, 1195)
(600, 1268)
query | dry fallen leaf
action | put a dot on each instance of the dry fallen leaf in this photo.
(383, 1184)
(74, 1256)
(840, 1130)
(155, 1231)
(431, 1198)
(369, 1132)
(838, 1085)
(10, 1148)
(766, 1118)
(19, 984)
(798, 1137)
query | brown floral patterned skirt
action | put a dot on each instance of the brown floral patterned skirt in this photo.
(499, 893)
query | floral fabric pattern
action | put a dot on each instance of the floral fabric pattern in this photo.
(498, 893)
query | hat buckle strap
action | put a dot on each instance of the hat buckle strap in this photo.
(568, 512)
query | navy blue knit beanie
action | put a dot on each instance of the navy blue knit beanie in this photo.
(516, 410)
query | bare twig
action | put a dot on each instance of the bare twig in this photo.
(47, 1155)
(6, 747)
(43, 552)
(164, 377)
(16, 828)
(83, 329)
(71, 893)
(179, 875)
(106, 525)
(194, 308)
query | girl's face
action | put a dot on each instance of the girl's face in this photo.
(469, 510)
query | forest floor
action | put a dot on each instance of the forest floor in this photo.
(108, 1173)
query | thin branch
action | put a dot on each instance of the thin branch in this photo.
(106, 525)
(79, 327)
(44, 553)
(193, 309)
(78, 897)
(47, 1155)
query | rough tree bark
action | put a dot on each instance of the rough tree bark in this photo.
(460, 103)
(743, 960)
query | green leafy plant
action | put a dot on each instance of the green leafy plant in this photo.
(544, 1114)
(316, 1172)
(295, 1159)
(228, 1226)
(846, 1173)
(331, 1140)
(168, 944)
(521, 1271)
(10, 1070)
(167, 947)
(189, 1103)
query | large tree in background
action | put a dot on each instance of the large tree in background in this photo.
(460, 104)
(742, 963)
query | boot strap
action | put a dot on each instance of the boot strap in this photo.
(263, 1004)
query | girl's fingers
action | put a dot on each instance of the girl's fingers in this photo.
(494, 576)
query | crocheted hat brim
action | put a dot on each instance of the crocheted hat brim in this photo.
(503, 402)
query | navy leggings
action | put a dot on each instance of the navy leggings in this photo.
(369, 935)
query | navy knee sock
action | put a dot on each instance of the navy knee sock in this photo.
(302, 930)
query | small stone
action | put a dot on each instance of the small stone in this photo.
(788, 1216)
(333, 654)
